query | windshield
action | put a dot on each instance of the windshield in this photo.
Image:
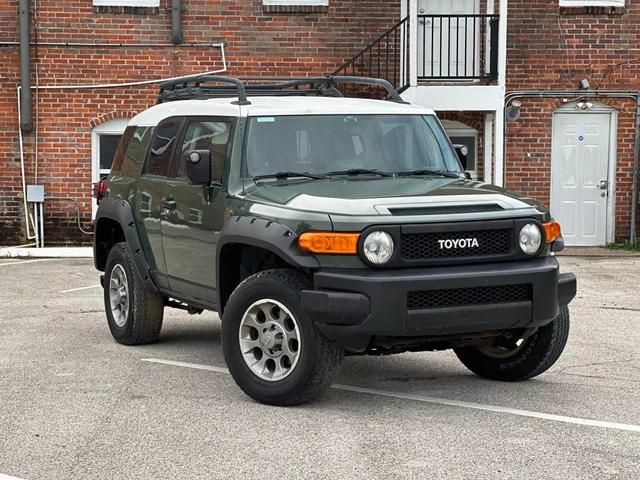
(322, 144)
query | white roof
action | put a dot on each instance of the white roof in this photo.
(273, 106)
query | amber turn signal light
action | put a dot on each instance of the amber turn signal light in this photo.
(329, 243)
(551, 231)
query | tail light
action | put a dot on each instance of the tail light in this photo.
(98, 189)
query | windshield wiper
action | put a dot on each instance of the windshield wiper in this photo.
(360, 171)
(283, 175)
(427, 171)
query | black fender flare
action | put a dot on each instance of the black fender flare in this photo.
(266, 234)
(120, 211)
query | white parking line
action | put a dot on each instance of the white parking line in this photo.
(440, 401)
(79, 288)
(8, 477)
(22, 262)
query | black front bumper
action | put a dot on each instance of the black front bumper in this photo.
(353, 305)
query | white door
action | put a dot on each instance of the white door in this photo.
(579, 176)
(448, 47)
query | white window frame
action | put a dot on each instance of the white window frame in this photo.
(592, 3)
(126, 3)
(311, 3)
(112, 127)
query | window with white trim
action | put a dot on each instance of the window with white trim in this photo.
(104, 142)
(126, 3)
(461, 134)
(592, 3)
(309, 3)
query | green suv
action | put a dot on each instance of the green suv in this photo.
(318, 225)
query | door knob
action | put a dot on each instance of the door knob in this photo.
(604, 185)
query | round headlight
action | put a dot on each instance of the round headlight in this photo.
(378, 247)
(530, 239)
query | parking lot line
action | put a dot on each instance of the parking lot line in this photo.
(22, 262)
(8, 477)
(79, 288)
(440, 401)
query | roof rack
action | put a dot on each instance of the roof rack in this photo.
(199, 87)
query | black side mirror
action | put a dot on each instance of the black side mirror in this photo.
(199, 166)
(467, 175)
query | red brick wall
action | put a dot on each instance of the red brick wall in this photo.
(258, 42)
(553, 49)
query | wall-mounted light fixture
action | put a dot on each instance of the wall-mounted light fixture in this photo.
(584, 106)
(513, 111)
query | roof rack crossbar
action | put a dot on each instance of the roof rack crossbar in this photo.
(192, 87)
(173, 87)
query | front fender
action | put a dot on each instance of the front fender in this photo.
(268, 235)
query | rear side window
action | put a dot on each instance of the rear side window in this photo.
(162, 147)
(136, 150)
(206, 135)
(118, 158)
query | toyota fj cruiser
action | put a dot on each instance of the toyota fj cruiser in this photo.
(319, 225)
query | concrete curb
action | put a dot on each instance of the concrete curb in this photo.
(47, 252)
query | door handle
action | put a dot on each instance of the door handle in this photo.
(169, 204)
(604, 188)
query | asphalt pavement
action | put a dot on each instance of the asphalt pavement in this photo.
(76, 405)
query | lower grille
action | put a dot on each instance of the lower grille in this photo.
(458, 297)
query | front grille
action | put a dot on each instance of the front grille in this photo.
(416, 246)
(458, 297)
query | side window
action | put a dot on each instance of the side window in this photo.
(138, 139)
(162, 148)
(211, 135)
(118, 158)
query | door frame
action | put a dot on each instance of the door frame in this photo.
(596, 108)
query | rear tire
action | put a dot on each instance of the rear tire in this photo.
(274, 352)
(134, 314)
(536, 354)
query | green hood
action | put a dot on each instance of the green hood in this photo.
(377, 196)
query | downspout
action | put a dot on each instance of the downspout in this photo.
(26, 123)
(635, 96)
(176, 22)
(636, 166)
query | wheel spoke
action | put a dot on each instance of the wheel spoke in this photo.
(247, 345)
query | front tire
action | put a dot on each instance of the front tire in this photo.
(533, 356)
(274, 352)
(134, 314)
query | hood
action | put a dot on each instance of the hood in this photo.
(389, 196)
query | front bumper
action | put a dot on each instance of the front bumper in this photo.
(352, 305)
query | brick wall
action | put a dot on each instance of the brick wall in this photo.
(553, 49)
(257, 42)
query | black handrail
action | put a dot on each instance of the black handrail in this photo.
(465, 47)
(385, 57)
(469, 51)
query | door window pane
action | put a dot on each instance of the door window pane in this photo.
(162, 148)
(210, 135)
(108, 147)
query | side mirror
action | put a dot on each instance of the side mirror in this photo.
(199, 166)
(467, 175)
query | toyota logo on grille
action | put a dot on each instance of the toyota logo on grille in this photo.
(448, 244)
